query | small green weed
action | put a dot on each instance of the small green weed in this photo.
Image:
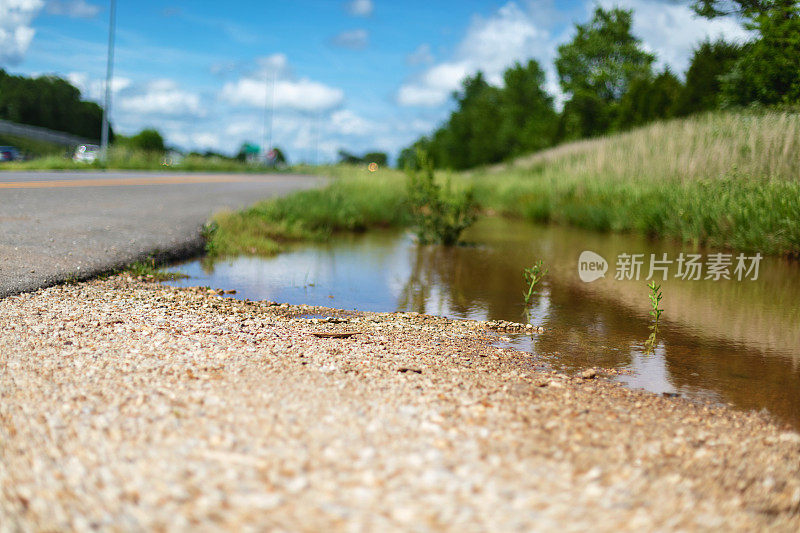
(207, 232)
(655, 311)
(149, 270)
(440, 215)
(532, 276)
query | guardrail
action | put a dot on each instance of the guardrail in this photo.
(42, 134)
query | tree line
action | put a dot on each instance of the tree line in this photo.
(611, 85)
(49, 102)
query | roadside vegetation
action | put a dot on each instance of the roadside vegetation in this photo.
(355, 200)
(720, 179)
(440, 215)
(30, 147)
(724, 179)
(125, 159)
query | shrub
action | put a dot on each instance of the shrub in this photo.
(440, 215)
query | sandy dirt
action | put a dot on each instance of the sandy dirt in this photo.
(127, 405)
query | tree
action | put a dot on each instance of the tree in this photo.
(596, 69)
(147, 140)
(768, 71)
(703, 87)
(409, 157)
(470, 137)
(379, 158)
(49, 102)
(649, 99)
(742, 8)
(604, 57)
(347, 158)
(280, 157)
(584, 115)
(527, 116)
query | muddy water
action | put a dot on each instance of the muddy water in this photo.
(731, 341)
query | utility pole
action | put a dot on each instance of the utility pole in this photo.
(109, 76)
(269, 111)
(316, 137)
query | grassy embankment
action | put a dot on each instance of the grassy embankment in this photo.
(729, 180)
(722, 180)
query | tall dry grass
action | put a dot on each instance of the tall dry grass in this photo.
(755, 144)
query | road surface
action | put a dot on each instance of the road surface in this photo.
(61, 225)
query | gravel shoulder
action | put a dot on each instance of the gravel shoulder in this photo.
(128, 405)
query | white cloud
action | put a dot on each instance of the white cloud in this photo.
(16, 32)
(491, 45)
(190, 139)
(161, 97)
(290, 93)
(421, 56)
(673, 30)
(94, 89)
(206, 140)
(302, 95)
(435, 85)
(347, 122)
(72, 8)
(360, 8)
(353, 39)
(275, 63)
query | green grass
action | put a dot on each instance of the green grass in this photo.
(724, 180)
(125, 159)
(732, 212)
(355, 200)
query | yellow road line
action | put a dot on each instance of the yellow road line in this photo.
(124, 182)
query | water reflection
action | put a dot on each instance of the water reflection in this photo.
(737, 342)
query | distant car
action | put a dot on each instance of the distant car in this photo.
(9, 153)
(86, 153)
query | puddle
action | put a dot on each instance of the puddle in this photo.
(731, 341)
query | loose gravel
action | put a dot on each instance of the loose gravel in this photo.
(127, 405)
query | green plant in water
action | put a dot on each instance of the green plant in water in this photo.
(149, 270)
(655, 311)
(532, 275)
(207, 233)
(439, 214)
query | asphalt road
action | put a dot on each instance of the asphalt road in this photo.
(56, 226)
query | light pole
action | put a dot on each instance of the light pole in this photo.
(269, 106)
(109, 75)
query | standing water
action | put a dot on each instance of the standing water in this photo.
(731, 341)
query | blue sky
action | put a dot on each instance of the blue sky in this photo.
(356, 74)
